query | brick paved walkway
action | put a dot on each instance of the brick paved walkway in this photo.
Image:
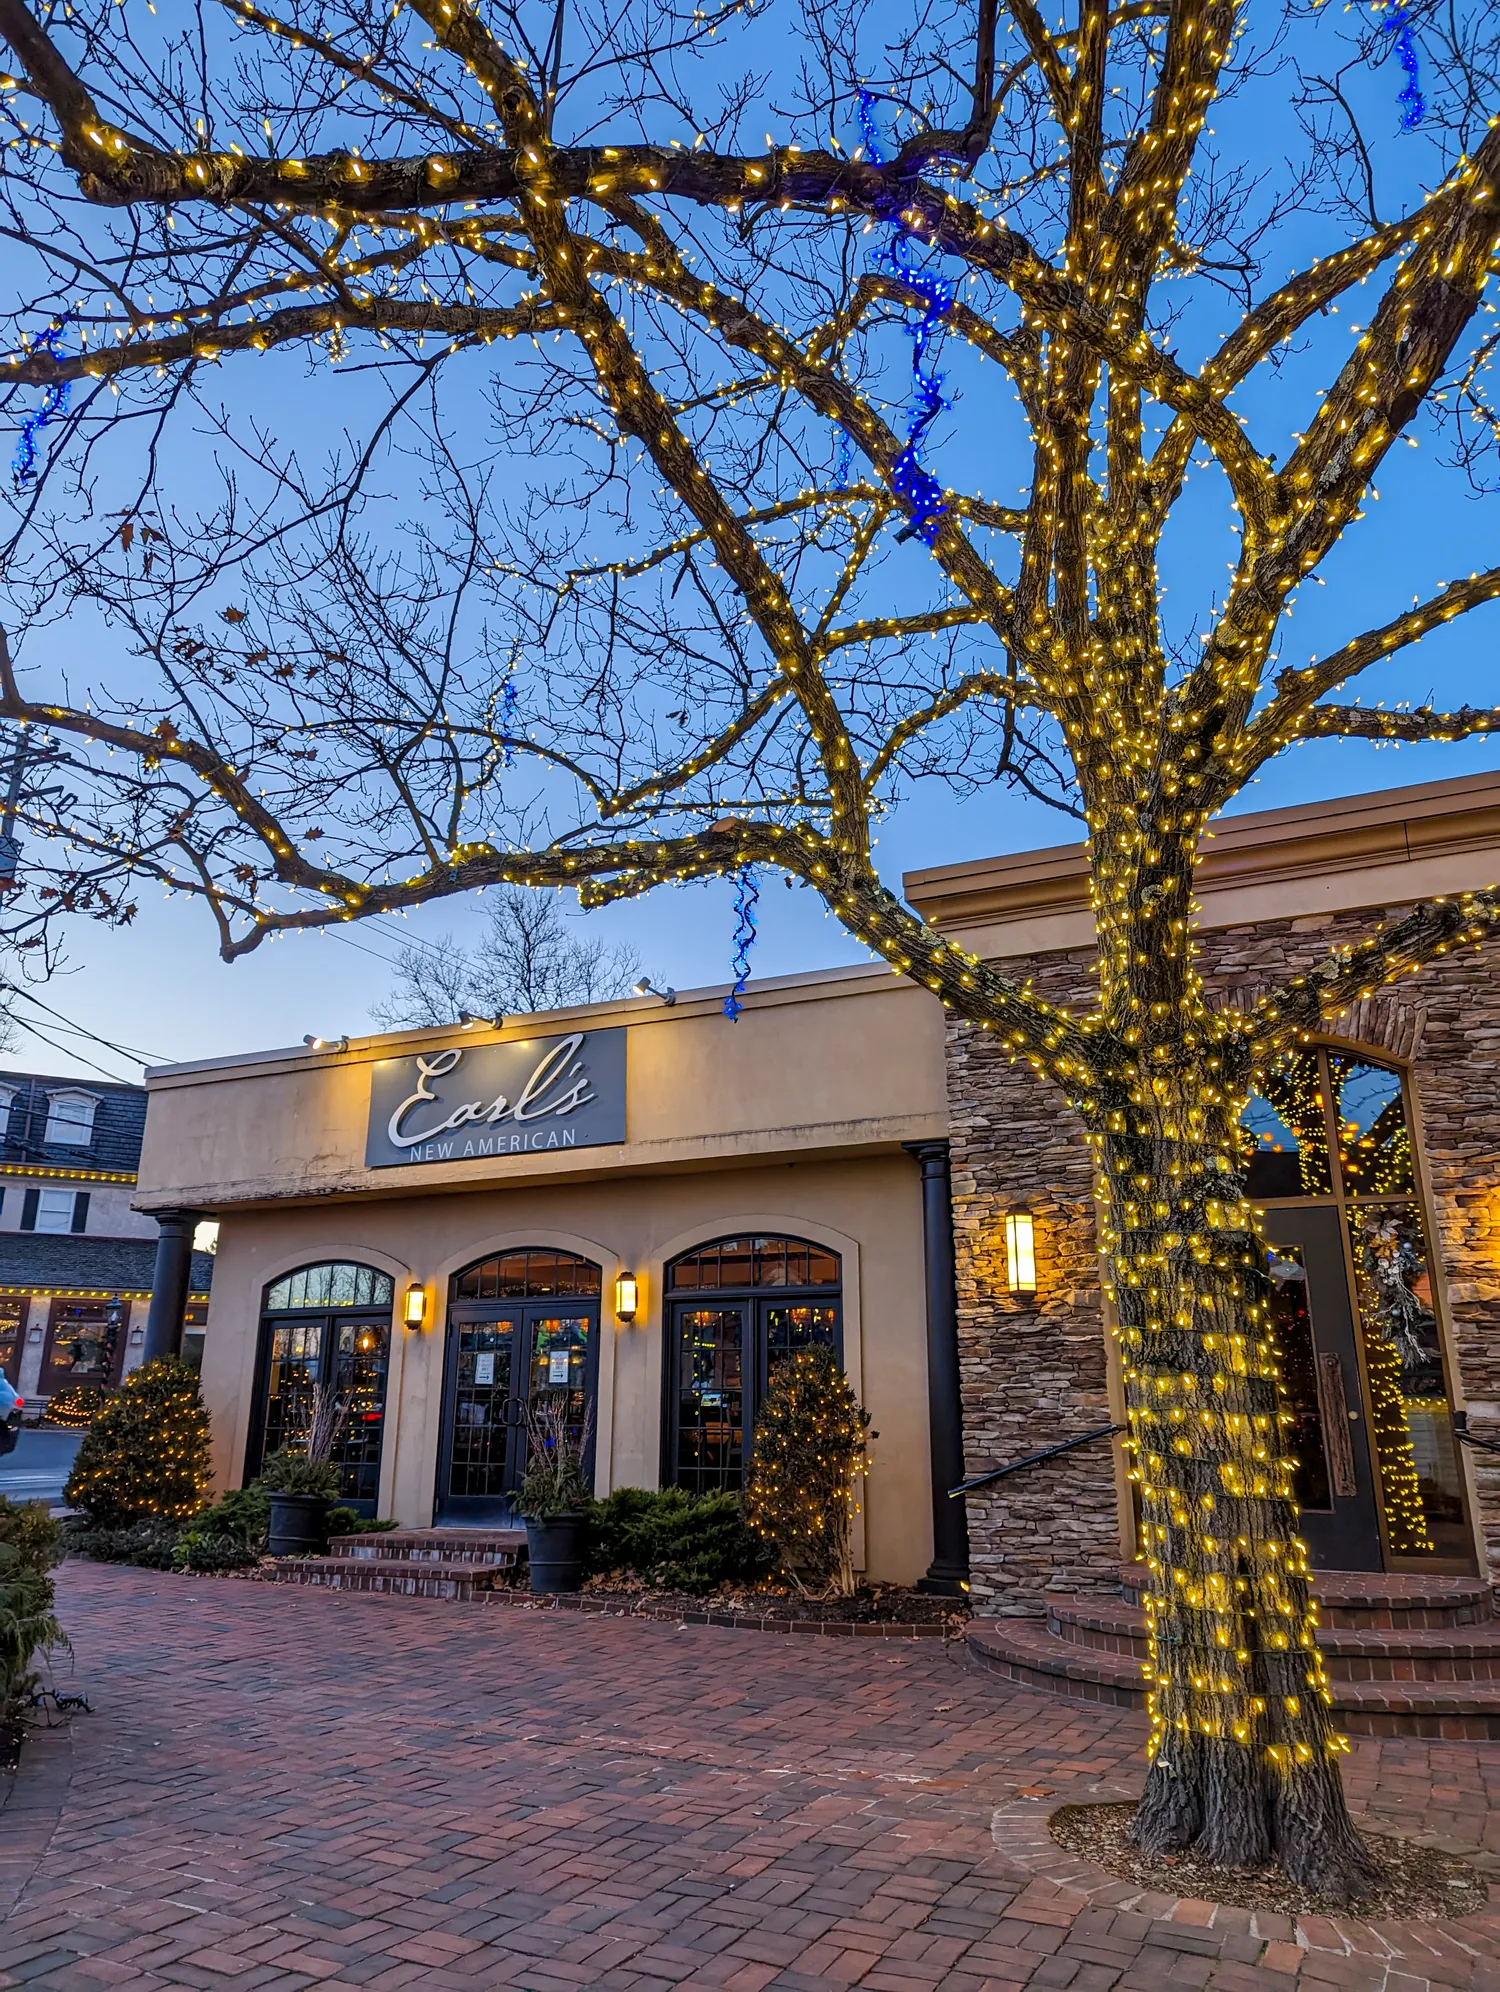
(284, 1788)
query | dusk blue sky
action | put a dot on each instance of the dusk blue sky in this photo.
(159, 989)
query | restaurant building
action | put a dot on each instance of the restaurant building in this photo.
(643, 1205)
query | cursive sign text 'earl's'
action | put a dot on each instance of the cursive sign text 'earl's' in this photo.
(498, 1099)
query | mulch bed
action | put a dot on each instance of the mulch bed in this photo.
(1418, 1883)
(876, 1611)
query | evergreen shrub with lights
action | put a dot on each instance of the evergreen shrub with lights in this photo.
(146, 1454)
(76, 1406)
(810, 1451)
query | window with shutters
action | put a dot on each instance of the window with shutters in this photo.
(55, 1210)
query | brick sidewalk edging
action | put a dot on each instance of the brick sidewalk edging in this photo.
(1021, 1831)
(645, 1608)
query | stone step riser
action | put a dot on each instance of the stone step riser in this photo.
(380, 1583)
(1376, 1603)
(1024, 1651)
(1406, 1666)
(1386, 1618)
(500, 1559)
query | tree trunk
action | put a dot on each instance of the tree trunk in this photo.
(1244, 1757)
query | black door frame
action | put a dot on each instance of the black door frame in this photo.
(449, 1510)
(1338, 1198)
(754, 1359)
(1347, 1535)
(328, 1317)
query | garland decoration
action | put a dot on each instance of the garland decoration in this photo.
(53, 402)
(509, 700)
(1396, 21)
(746, 897)
(917, 488)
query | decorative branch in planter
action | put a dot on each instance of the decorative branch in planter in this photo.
(303, 1486)
(555, 1498)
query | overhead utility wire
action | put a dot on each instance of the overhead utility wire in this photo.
(67, 1050)
(132, 1052)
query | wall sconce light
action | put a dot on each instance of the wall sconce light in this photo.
(414, 1307)
(627, 1297)
(646, 987)
(1020, 1252)
(326, 1044)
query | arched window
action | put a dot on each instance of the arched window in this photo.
(735, 1308)
(1332, 1161)
(522, 1327)
(325, 1328)
(337, 1284)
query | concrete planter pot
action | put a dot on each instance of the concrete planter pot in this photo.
(554, 1545)
(299, 1524)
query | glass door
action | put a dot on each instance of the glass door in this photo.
(503, 1359)
(1333, 1163)
(710, 1408)
(1334, 1484)
(355, 1357)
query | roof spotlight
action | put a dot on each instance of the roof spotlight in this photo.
(646, 987)
(326, 1044)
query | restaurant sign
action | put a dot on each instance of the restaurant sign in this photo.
(498, 1099)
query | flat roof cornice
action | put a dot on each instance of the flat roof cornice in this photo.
(1389, 838)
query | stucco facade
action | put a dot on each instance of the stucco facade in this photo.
(801, 1121)
(790, 1122)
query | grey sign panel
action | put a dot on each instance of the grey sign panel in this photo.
(522, 1098)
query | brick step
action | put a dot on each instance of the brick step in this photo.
(1371, 1600)
(407, 1580)
(1365, 1653)
(1025, 1651)
(498, 1549)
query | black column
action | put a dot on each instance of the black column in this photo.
(170, 1283)
(948, 1572)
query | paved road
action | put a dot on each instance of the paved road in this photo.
(285, 1790)
(40, 1464)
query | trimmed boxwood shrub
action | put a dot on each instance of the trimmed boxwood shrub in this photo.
(673, 1541)
(149, 1542)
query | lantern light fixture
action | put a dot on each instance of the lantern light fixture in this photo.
(414, 1308)
(627, 1297)
(1020, 1252)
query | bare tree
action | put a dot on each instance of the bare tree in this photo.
(526, 960)
(630, 562)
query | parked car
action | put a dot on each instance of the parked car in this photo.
(12, 1404)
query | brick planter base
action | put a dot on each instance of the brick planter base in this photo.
(1334, 1950)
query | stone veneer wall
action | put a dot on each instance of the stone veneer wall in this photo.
(1036, 1372)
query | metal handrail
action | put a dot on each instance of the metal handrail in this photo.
(1461, 1431)
(1034, 1459)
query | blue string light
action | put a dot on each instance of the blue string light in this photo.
(1396, 21)
(509, 700)
(53, 402)
(746, 896)
(917, 489)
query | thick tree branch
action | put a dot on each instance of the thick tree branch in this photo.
(1291, 715)
(1311, 1002)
